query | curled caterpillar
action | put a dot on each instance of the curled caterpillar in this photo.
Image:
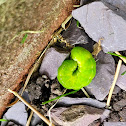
(79, 71)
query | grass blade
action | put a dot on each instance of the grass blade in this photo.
(123, 73)
(72, 92)
(3, 120)
(78, 23)
(114, 54)
(24, 38)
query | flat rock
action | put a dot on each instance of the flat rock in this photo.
(17, 58)
(119, 104)
(119, 4)
(122, 114)
(116, 90)
(114, 124)
(75, 35)
(95, 123)
(36, 120)
(51, 62)
(121, 81)
(76, 115)
(105, 70)
(17, 113)
(99, 21)
(67, 101)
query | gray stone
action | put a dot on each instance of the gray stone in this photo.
(118, 7)
(74, 35)
(124, 94)
(100, 22)
(121, 82)
(16, 113)
(119, 105)
(116, 90)
(51, 62)
(11, 123)
(67, 101)
(105, 70)
(25, 96)
(36, 120)
(95, 123)
(76, 115)
(105, 115)
(114, 123)
(123, 115)
(120, 4)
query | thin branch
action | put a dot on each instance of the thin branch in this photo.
(65, 22)
(85, 92)
(76, 6)
(29, 119)
(32, 108)
(124, 60)
(26, 32)
(49, 111)
(114, 82)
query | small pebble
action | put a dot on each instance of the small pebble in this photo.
(55, 89)
(39, 81)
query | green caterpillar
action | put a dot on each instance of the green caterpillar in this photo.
(78, 71)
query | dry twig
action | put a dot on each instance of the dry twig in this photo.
(97, 47)
(49, 111)
(26, 32)
(32, 108)
(76, 6)
(65, 22)
(29, 119)
(124, 60)
(114, 82)
(85, 92)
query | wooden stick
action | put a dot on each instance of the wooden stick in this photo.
(85, 92)
(32, 108)
(114, 82)
(76, 6)
(65, 22)
(29, 119)
(124, 60)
